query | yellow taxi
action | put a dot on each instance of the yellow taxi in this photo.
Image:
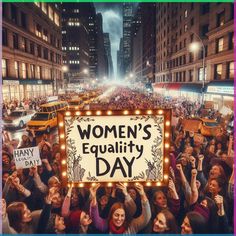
(53, 106)
(75, 104)
(42, 121)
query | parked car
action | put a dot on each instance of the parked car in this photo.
(207, 127)
(17, 118)
(42, 121)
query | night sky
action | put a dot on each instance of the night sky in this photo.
(112, 24)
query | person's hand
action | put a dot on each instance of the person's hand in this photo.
(194, 173)
(33, 171)
(51, 194)
(231, 137)
(179, 167)
(192, 161)
(123, 188)
(3, 208)
(45, 161)
(171, 185)
(172, 173)
(200, 157)
(69, 190)
(16, 182)
(219, 200)
(140, 189)
(93, 190)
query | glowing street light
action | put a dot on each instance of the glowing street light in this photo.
(131, 75)
(65, 69)
(85, 71)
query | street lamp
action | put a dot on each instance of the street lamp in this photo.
(85, 71)
(195, 47)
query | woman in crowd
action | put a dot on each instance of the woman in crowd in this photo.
(117, 221)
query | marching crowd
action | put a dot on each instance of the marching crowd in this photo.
(198, 199)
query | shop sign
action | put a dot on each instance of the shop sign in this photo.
(11, 82)
(221, 90)
(52, 99)
(115, 146)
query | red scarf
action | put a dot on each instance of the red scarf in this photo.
(116, 230)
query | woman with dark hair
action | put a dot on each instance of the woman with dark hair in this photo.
(118, 222)
(194, 223)
(165, 223)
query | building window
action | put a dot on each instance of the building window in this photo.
(204, 30)
(32, 71)
(192, 22)
(17, 71)
(45, 35)
(38, 72)
(44, 7)
(32, 48)
(190, 75)
(24, 71)
(200, 74)
(45, 53)
(4, 36)
(221, 19)
(37, 4)
(23, 20)
(13, 13)
(219, 45)
(186, 13)
(190, 57)
(50, 13)
(15, 41)
(218, 72)
(39, 53)
(185, 28)
(230, 70)
(231, 40)
(4, 68)
(191, 37)
(24, 44)
(56, 19)
(204, 8)
(38, 31)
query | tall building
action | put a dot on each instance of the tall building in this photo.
(210, 27)
(128, 13)
(107, 45)
(75, 41)
(31, 50)
(102, 70)
(92, 28)
(148, 18)
(120, 64)
(137, 45)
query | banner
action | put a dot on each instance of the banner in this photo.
(27, 157)
(114, 148)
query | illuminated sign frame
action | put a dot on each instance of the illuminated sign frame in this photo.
(166, 122)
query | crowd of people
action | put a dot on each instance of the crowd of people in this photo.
(198, 199)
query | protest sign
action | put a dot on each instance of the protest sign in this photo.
(114, 147)
(27, 157)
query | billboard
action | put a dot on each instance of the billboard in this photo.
(114, 146)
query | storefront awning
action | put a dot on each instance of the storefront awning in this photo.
(195, 88)
(225, 87)
(159, 85)
(173, 86)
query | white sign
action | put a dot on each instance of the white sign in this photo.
(114, 148)
(52, 99)
(27, 157)
(223, 90)
(11, 82)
